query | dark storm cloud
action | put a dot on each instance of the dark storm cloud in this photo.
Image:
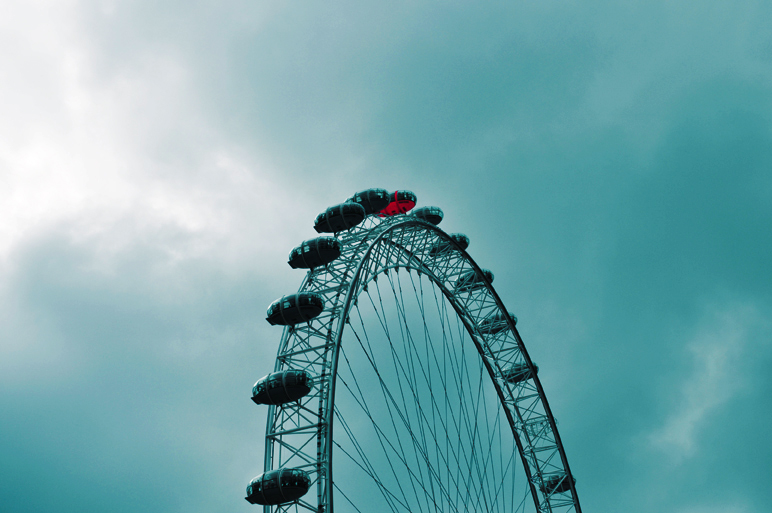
(611, 164)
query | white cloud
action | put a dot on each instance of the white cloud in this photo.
(117, 164)
(719, 351)
(83, 153)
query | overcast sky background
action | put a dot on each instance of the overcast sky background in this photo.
(611, 163)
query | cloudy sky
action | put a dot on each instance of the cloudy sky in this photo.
(611, 163)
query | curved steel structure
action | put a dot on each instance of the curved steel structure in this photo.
(299, 434)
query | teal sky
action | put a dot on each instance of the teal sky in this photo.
(610, 162)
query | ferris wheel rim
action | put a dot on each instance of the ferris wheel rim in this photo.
(449, 296)
(343, 308)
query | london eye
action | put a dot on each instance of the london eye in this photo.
(401, 382)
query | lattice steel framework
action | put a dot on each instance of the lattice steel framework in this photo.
(300, 434)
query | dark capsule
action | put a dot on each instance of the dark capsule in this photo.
(460, 239)
(471, 280)
(432, 215)
(372, 200)
(400, 202)
(315, 253)
(339, 218)
(282, 387)
(278, 487)
(496, 323)
(295, 308)
(517, 373)
(444, 246)
(557, 483)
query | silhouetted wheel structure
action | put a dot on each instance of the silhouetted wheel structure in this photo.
(401, 383)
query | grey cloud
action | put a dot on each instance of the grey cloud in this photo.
(610, 164)
(150, 401)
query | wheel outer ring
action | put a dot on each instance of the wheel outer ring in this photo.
(352, 290)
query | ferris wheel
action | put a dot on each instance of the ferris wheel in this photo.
(401, 382)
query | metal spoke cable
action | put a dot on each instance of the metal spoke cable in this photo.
(404, 372)
(443, 373)
(481, 465)
(401, 371)
(366, 466)
(411, 386)
(375, 368)
(427, 337)
(463, 418)
(486, 466)
(391, 403)
(459, 389)
(474, 430)
(363, 405)
(427, 372)
(387, 392)
(412, 379)
(346, 497)
(370, 470)
(459, 379)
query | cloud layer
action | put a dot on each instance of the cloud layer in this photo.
(610, 163)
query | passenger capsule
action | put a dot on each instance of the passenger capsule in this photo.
(339, 218)
(282, 387)
(278, 487)
(495, 323)
(373, 200)
(444, 246)
(557, 483)
(314, 253)
(517, 373)
(400, 202)
(471, 280)
(432, 215)
(295, 308)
